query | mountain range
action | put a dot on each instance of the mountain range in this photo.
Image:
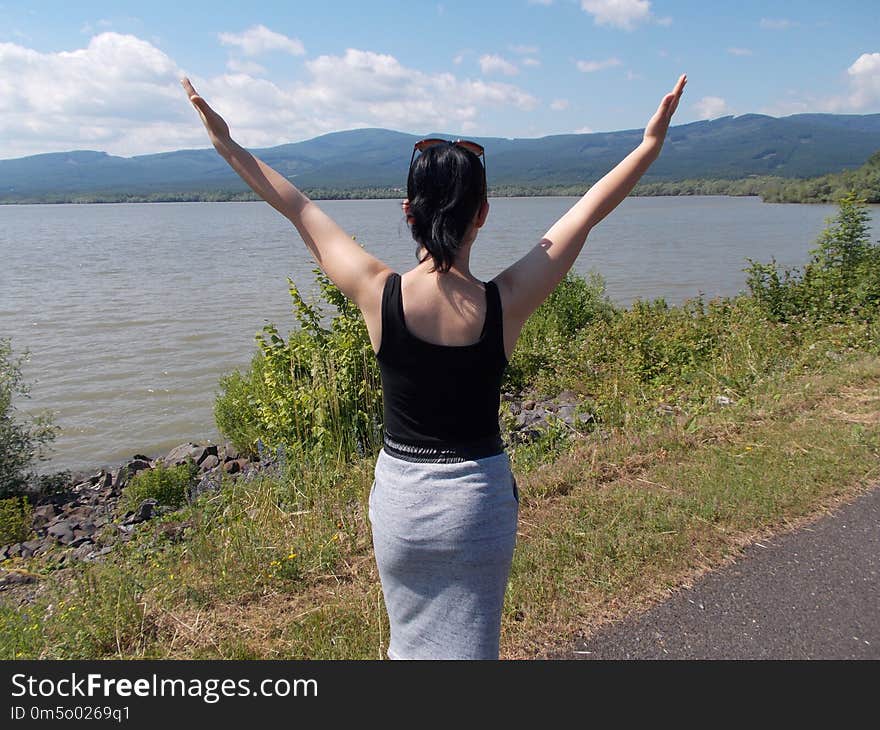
(802, 145)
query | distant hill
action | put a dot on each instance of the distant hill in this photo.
(798, 146)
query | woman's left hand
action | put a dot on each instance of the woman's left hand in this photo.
(218, 129)
(659, 124)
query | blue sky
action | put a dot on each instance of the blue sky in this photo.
(102, 75)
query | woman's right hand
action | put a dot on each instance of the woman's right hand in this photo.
(218, 129)
(655, 131)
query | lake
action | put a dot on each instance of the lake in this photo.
(132, 312)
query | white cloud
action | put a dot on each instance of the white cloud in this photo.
(239, 66)
(117, 93)
(740, 51)
(584, 130)
(559, 105)
(711, 107)
(624, 14)
(122, 95)
(379, 88)
(533, 62)
(592, 66)
(540, 2)
(633, 76)
(776, 24)
(861, 96)
(259, 39)
(864, 79)
(491, 63)
(525, 50)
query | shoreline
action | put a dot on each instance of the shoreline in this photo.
(73, 520)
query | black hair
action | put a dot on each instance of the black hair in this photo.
(446, 187)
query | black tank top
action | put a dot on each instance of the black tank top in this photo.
(440, 395)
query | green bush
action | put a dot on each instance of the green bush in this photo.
(549, 332)
(841, 280)
(168, 485)
(16, 515)
(22, 441)
(317, 391)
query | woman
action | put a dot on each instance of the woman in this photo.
(443, 506)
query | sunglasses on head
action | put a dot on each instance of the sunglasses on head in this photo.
(424, 144)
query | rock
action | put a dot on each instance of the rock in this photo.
(211, 461)
(14, 550)
(61, 531)
(84, 552)
(125, 473)
(105, 481)
(88, 527)
(81, 540)
(208, 483)
(44, 514)
(567, 397)
(528, 405)
(140, 457)
(79, 514)
(189, 452)
(566, 414)
(4, 552)
(144, 512)
(232, 467)
(15, 578)
(32, 545)
(136, 465)
(723, 400)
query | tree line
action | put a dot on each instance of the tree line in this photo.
(864, 181)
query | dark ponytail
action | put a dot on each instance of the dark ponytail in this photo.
(446, 187)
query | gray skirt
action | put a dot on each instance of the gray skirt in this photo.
(443, 536)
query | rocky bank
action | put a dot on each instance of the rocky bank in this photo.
(83, 522)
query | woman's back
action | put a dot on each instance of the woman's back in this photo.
(441, 377)
(444, 309)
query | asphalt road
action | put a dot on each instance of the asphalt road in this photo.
(810, 594)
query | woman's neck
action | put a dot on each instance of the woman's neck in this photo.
(461, 266)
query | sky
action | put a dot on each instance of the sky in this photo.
(104, 75)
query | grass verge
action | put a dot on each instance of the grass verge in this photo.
(282, 567)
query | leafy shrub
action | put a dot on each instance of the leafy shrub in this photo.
(549, 332)
(319, 390)
(16, 515)
(841, 280)
(22, 441)
(168, 485)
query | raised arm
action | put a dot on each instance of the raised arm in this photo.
(349, 266)
(529, 281)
